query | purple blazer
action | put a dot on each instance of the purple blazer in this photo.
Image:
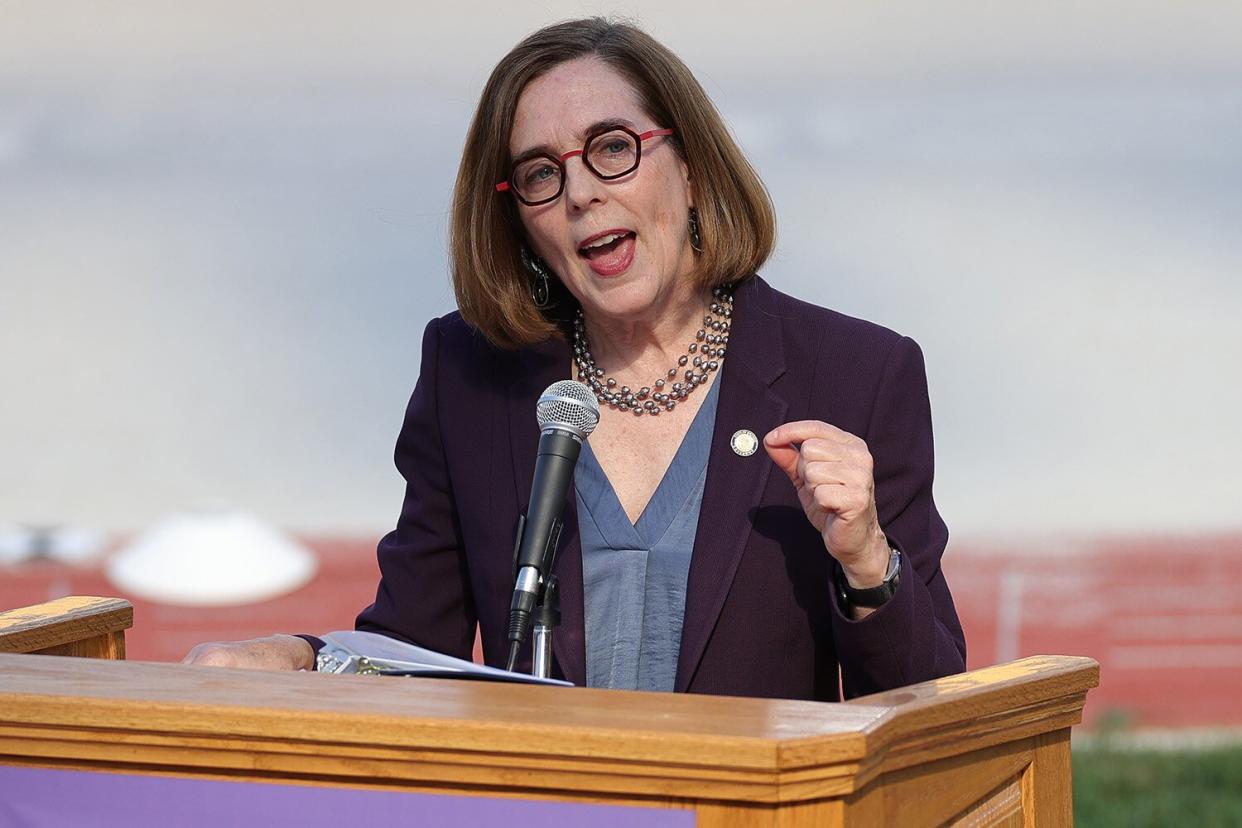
(760, 617)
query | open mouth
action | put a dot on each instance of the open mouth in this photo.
(605, 246)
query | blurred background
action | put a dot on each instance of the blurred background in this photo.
(223, 228)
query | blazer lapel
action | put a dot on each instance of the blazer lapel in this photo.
(535, 371)
(735, 484)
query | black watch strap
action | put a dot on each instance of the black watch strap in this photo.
(876, 596)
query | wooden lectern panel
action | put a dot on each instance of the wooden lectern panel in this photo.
(80, 625)
(947, 751)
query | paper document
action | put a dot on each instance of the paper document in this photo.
(366, 653)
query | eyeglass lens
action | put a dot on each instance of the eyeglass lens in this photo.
(608, 155)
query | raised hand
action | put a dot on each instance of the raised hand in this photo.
(832, 471)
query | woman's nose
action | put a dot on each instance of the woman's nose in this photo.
(582, 187)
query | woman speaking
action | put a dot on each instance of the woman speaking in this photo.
(753, 512)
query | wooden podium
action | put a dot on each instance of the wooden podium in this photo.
(989, 747)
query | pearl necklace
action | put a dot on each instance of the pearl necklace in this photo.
(703, 355)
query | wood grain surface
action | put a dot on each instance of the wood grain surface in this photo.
(972, 710)
(939, 747)
(80, 625)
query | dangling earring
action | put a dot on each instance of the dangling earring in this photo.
(695, 242)
(540, 286)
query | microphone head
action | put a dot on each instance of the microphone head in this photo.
(570, 405)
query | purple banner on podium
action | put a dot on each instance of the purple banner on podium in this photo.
(44, 798)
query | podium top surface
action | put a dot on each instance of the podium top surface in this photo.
(339, 713)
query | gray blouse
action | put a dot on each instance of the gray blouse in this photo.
(634, 575)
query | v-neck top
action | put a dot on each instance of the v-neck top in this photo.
(634, 574)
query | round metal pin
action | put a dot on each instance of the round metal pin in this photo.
(744, 442)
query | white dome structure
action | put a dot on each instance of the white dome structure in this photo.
(211, 558)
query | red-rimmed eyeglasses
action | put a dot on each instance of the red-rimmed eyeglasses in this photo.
(609, 153)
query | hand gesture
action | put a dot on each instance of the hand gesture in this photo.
(832, 472)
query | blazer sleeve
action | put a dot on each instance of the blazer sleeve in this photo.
(424, 594)
(916, 635)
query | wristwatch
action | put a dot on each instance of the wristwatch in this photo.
(875, 596)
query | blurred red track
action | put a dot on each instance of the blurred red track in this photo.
(1162, 616)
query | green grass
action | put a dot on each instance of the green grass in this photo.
(1139, 788)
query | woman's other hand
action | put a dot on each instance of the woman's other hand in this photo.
(833, 473)
(275, 652)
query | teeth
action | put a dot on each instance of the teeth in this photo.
(603, 240)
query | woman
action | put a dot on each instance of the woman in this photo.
(606, 227)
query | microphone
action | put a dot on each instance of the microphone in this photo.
(567, 413)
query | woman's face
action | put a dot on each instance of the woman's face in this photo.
(642, 271)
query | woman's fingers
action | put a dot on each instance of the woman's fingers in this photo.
(854, 454)
(833, 472)
(841, 500)
(785, 457)
(801, 431)
(792, 445)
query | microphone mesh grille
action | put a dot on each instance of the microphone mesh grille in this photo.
(570, 405)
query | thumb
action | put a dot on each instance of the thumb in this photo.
(783, 453)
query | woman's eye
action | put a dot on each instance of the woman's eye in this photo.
(540, 174)
(616, 146)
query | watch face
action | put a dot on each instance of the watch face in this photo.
(894, 565)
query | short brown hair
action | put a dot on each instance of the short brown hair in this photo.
(737, 226)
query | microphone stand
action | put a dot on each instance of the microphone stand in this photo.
(547, 617)
(545, 614)
(567, 413)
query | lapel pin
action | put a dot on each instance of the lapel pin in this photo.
(744, 442)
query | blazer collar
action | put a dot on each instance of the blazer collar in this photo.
(756, 335)
(755, 359)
